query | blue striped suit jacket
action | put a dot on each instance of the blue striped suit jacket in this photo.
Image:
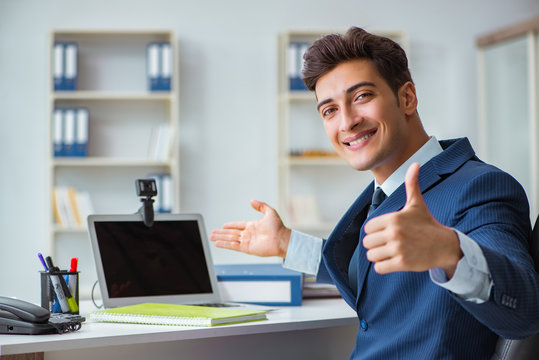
(405, 315)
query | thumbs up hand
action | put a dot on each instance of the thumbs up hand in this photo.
(411, 239)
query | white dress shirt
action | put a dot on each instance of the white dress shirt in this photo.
(471, 280)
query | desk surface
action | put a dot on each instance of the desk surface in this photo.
(313, 314)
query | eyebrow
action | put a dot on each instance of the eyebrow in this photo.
(348, 91)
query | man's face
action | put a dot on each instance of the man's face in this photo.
(363, 119)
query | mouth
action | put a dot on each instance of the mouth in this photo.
(360, 138)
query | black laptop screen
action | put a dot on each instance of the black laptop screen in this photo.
(164, 259)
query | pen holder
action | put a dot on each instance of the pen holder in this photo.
(60, 291)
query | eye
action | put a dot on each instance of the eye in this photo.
(328, 111)
(362, 96)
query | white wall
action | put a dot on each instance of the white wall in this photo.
(228, 94)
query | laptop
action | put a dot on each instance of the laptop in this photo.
(169, 262)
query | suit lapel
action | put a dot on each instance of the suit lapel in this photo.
(341, 243)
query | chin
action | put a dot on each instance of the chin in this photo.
(357, 165)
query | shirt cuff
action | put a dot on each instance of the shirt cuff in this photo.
(472, 280)
(304, 253)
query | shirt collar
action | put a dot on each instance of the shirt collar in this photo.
(429, 150)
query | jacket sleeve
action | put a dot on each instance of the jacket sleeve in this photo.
(493, 211)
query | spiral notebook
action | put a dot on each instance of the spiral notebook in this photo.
(172, 314)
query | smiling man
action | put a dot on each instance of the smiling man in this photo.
(433, 254)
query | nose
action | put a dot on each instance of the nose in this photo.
(349, 119)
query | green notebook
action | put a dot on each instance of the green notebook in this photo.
(171, 314)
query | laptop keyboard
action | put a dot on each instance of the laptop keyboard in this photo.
(218, 305)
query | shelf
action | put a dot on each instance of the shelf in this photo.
(313, 161)
(298, 95)
(104, 161)
(113, 95)
(71, 229)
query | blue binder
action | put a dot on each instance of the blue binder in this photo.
(165, 74)
(81, 132)
(70, 66)
(58, 65)
(153, 65)
(68, 135)
(57, 132)
(296, 50)
(258, 279)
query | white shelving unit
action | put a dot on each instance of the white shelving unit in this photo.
(315, 186)
(113, 86)
(509, 105)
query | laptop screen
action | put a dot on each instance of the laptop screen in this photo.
(167, 262)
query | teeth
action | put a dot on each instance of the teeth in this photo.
(360, 139)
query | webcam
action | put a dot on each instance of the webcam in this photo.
(146, 188)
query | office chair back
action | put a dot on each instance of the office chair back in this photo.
(526, 349)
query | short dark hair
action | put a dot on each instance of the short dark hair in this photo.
(331, 50)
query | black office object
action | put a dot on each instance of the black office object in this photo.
(21, 317)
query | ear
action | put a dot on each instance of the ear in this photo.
(408, 98)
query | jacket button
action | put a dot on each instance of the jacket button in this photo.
(363, 325)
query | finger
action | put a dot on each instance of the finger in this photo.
(371, 241)
(230, 245)
(379, 254)
(384, 267)
(411, 182)
(238, 225)
(377, 224)
(225, 235)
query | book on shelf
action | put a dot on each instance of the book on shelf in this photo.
(164, 199)
(173, 314)
(70, 131)
(160, 143)
(313, 153)
(71, 207)
(262, 284)
(65, 67)
(159, 66)
(296, 50)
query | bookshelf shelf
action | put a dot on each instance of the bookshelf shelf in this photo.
(314, 190)
(70, 230)
(114, 95)
(314, 161)
(105, 162)
(131, 133)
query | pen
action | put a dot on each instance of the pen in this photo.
(56, 280)
(72, 279)
(54, 305)
(71, 303)
(40, 256)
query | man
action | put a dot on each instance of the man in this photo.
(440, 268)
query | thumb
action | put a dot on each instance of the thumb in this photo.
(260, 206)
(411, 182)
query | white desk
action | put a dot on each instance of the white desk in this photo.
(320, 329)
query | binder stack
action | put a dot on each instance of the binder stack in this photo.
(70, 132)
(159, 66)
(65, 69)
(296, 49)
